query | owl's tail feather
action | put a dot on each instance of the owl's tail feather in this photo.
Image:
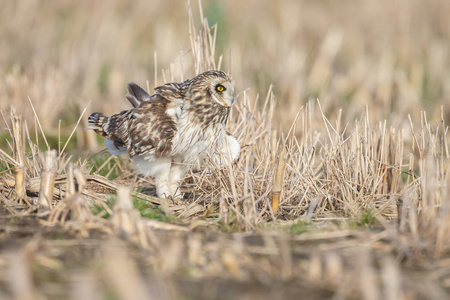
(104, 126)
(96, 122)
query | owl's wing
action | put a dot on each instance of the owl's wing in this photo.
(172, 92)
(153, 124)
(150, 129)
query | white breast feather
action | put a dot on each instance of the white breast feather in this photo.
(231, 148)
(148, 165)
(194, 142)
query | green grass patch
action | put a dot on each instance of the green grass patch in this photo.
(230, 227)
(150, 211)
(300, 227)
(367, 218)
(97, 209)
(109, 169)
(231, 224)
(144, 207)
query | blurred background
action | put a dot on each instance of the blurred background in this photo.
(392, 55)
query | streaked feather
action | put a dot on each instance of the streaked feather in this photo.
(175, 127)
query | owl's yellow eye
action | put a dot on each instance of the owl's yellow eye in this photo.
(220, 88)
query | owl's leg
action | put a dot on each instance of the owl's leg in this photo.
(177, 172)
(159, 169)
(162, 172)
(229, 151)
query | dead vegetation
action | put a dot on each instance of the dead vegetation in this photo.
(333, 205)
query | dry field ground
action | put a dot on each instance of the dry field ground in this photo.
(342, 189)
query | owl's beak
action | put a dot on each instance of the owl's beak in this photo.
(233, 96)
(230, 102)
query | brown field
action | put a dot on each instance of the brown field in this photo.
(342, 111)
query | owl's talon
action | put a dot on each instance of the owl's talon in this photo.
(170, 198)
(176, 200)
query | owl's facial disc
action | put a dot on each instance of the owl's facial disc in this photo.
(222, 92)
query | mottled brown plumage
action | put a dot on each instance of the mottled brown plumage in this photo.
(174, 128)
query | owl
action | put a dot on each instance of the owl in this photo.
(174, 129)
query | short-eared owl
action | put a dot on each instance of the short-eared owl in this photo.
(173, 129)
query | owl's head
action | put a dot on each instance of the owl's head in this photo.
(218, 86)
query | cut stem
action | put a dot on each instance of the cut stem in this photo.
(18, 154)
(278, 180)
(19, 174)
(49, 166)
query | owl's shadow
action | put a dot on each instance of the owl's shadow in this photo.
(147, 190)
(147, 187)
